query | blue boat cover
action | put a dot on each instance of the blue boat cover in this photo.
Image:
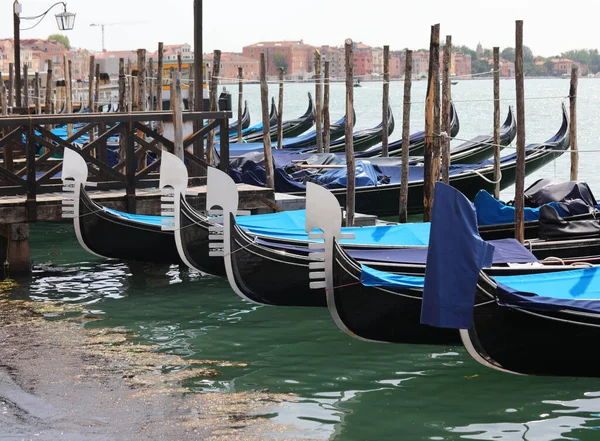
(576, 289)
(505, 251)
(291, 225)
(491, 211)
(372, 277)
(456, 255)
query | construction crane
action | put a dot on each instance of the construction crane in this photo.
(111, 24)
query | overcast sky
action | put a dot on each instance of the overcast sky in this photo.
(229, 25)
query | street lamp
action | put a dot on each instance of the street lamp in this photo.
(65, 21)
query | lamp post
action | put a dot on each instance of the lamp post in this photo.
(65, 21)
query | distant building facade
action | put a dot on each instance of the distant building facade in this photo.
(296, 56)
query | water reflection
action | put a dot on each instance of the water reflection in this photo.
(549, 426)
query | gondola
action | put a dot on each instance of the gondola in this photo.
(417, 140)
(245, 121)
(291, 128)
(257, 128)
(109, 233)
(309, 139)
(383, 199)
(531, 324)
(364, 139)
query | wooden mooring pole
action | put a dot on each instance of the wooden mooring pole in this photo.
(91, 84)
(240, 102)
(97, 88)
(150, 81)
(49, 89)
(403, 212)
(349, 139)
(326, 115)
(122, 86)
(191, 86)
(385, 102)
(176, 107)
(432, 164)
(280, 111)
(520, 166)
(573, 127)
(318, 116)
(3, 98)
(497, 122)
(141, 80)
(11, 84)
(159, 82)
(214, 104)
(264, 101)
(36, 92)
(26, 87)
(446, 100)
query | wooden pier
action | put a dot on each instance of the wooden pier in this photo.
(31, 163)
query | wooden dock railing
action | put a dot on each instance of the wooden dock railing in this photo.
(31, 154)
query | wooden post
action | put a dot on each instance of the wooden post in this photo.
(326, 116)
(403, 213)
(36, 92)
(350, 167)
(69, 94)
(573, 108)
(191, 85)
(520, 166)
(497, 122)
(179, 63)
(318, 116)
(280, 111)
(134, 90)
(141, 80)
(150, 80)
(122, 85)
(91, 84)
(240, 103)
(11, 84)
(25, 87)
(264, 101)
(3, 99)
(129, 89)
(214, 85)
(176, 107)
(446, 99)
(49, 89)
(159, 82)
(385, 101)
(97, 86)
(432, 166)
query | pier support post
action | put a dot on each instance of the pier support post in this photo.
(15, 254)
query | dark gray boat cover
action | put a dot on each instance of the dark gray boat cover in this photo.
(552, 226)
(544, 191)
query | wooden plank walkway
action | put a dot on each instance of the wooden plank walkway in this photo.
(13, 208)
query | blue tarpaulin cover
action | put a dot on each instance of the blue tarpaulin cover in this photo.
(575, 289)
(456, 255)
(491, 211)
(372, 277)
(291, 225)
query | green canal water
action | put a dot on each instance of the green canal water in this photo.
(344, 389)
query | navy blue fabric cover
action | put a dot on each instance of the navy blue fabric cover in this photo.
(456, 255)
(505, 251)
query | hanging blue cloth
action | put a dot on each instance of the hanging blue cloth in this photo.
(456, 255)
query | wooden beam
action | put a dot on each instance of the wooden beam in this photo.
(318, 116)
(91, 84)
(36, 92)
(326, 115)
(403, 213)
(520, 166)
(349, 139)
(573, 127)
(240, 103)
(214, 104)
(280, 111)
(446, 100)
(264, 100)
(497, 122)
(385, 102)
(432, 165)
